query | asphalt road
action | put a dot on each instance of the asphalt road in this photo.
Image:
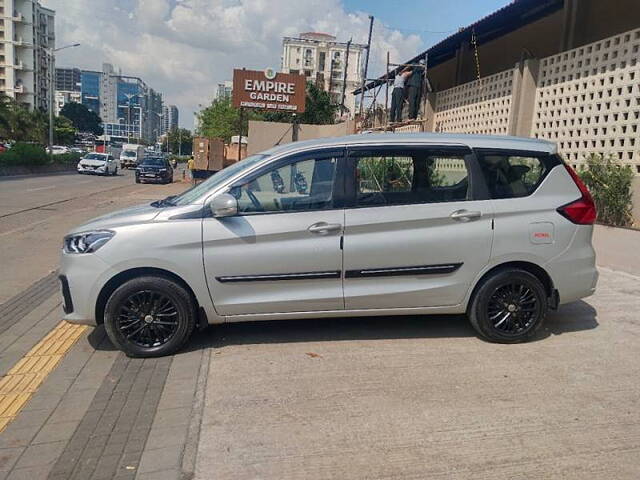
(27, 192)
(36, 212)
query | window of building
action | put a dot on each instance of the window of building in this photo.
(303, 185)
(321, 61)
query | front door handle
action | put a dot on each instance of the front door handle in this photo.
(324, 228)
(465, 215)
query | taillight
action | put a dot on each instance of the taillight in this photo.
(582, 211)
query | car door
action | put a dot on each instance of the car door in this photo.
(416, 232)
(281, 253)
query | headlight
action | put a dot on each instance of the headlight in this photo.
(87, 242)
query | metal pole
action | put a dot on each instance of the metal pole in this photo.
(240, 136)
(366, 66)
(386, 94)
(344, 77)
(425, 90)
(295, 128)
(179, 142)
(51, 97)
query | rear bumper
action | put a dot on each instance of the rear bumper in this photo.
(574, 272)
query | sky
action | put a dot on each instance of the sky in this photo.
(184, 48)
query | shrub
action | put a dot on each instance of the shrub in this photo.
(27, 154)
(66, 158)
(610, 184)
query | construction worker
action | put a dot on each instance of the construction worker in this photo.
(414, 90)
(397, 95)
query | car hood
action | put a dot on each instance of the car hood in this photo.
(120, 218)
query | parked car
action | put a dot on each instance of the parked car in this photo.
(498, 228)
(59, 149)
(98, 163)
(154, 169)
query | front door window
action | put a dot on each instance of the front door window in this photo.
(299, 186)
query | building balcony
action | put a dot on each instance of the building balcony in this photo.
(19, 89)
(18, 17)
(20, 42)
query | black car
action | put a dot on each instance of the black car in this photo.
(154, 169)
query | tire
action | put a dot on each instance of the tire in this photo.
(509, 306)
(137, 180)
(150, 305)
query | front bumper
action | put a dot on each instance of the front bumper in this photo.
(152, 177)
(98, 170)
(82, 276)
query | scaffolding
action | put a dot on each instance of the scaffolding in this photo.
(376, 116)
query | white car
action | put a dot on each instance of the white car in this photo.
(498, 228)
(59, 149)
(98, 163)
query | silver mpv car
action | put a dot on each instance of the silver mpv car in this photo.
(498, 228)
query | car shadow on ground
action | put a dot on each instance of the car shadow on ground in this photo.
(575, 317)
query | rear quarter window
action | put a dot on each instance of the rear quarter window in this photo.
(513, 175)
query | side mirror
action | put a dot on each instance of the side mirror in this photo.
(223, 205)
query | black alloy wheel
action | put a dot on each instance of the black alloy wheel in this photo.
(509, 306)
(150, 316)
(147, 318)
(513, 308)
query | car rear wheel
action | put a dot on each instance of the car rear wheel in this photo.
(137, 180)
(150, 316)
(509, 306)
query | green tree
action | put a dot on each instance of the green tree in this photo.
(318, 109)
(82, 118)
(180, 141)
(221, 120)
(19, 124)
(64, 132)
(609, 182)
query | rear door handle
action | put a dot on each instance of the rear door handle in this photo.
(324, 228)
(465, 215)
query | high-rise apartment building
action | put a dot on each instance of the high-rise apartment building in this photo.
(27, 40)
(224, 90)
(170, 117)
(68, 87)
(323, 60)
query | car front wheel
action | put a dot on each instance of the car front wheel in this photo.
(509, 306)
(150, 316)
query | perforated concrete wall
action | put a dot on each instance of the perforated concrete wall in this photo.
(482, 106)
(588, 100)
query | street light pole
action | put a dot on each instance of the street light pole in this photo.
(51, 54)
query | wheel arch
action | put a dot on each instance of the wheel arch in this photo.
(118, 279)
(532, 268)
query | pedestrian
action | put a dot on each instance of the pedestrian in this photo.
(414, 90)
(191, 164)
(397, 96)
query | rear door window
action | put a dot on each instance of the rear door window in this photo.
(406, 177)
(512, 176)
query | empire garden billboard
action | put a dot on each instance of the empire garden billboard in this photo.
(268, 90)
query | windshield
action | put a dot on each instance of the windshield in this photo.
(129, 153)
(216, 180)
(95, 156)
(156, 162)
